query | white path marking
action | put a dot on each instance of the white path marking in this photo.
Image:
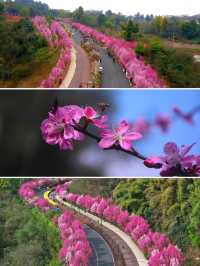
(70, 73)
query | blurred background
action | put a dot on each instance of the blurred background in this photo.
(24, 153)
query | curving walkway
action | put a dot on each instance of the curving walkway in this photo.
(141, 260)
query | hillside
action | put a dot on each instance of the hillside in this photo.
(170, 205)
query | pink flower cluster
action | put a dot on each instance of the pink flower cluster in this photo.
(169, 256)
(76, 250)
(176, 160)
(61, 128)
(142, 74)
(56, 37)
(28, 193)
(62, 188)
(155, 245)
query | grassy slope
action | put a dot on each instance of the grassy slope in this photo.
(40, 70)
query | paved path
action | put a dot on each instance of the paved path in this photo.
(82, 71)
(135, 250)
(101, 252)
(113, 76)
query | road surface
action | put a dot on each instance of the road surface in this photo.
(101, 252)
(113, 76)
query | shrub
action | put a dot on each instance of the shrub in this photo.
(18, 45)
(21, 71)
(177, 67)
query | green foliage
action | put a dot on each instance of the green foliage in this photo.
(129, 30)
(131, 197)
(177, 67)
(1, 8)
(11, 185)
(173, 27)
(28, 237)
(94, 187)
(190, 29)
(78, 14)
(19, 43)
(101, 19)
(194, 225)
(140, 49)
(26, 8)
(170, 205)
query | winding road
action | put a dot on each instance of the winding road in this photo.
(101, 252)
(133, 258)
(104, 253)
(112, 76)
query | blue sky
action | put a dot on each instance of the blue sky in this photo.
(131, 104)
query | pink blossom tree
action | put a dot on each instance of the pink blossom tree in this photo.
(57, 37)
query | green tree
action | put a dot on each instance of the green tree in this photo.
(194, 224)
(159, 25)
(1, 8)
(129, 30)
(101, 19)
(190, 29)
(78, 14)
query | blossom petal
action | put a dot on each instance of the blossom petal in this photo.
(123, 127)
(125, 144)
(68, 132)
(52, 139)
(78, 135)
(101, 122)
(89, 112)
(106, 142)
(132, 136)
(107, 133)
(65, 144)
